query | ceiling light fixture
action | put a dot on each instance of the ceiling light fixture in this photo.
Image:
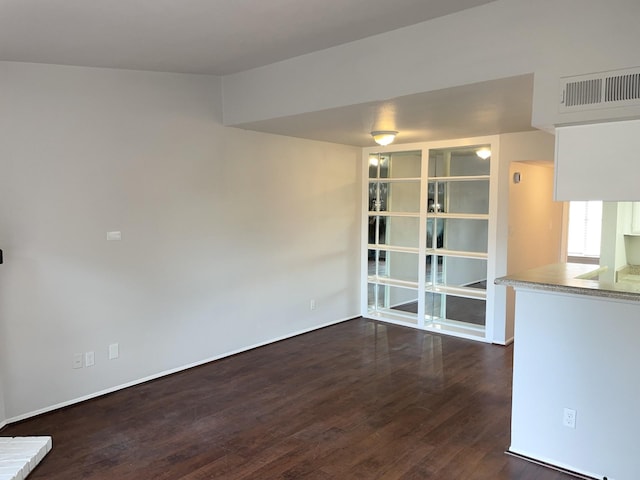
(384, 137)
(483, 153)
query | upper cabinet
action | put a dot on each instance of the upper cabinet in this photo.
(598, 161)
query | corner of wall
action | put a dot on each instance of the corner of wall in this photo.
(535, 222)
(534, 145)
(3, 154)
(544, 106)
(3, 416)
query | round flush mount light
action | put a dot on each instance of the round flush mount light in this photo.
(384, 137)
(483, 153)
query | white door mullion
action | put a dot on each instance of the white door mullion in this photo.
(422, 237)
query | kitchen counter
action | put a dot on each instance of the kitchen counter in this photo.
(575, 354)
(575, 278)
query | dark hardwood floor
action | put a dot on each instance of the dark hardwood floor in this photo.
(358, 400)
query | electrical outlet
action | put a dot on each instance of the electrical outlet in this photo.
(77, 360)
(312, 305)
(89, 359)
(114, 351)
(569, 418)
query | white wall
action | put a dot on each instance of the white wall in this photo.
(3, 416)
(535, 220)
(501, 39)
(580, 150)
(226, 234)
(535, 224)
(585, 365)
(3, 128)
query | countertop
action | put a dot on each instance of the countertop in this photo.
(575, 278)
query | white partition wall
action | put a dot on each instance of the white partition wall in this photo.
(577, 352)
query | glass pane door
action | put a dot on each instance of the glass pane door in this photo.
(428, 238)
(457, 238)
(393, 235)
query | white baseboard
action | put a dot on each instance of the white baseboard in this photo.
(508, 341)
(451, 332)
(166, 372)
(555, 465)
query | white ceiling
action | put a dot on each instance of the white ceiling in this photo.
(487, 108)
(197, 36)
(226, 36)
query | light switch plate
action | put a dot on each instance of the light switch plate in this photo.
(114, 236)
(77, 360)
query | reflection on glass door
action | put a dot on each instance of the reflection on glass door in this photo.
(457, 238)
(394, 228)
(428, 230)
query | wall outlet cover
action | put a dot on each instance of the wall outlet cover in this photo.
(89, 359)
(114, 351)
(569, 418)
(78, 360)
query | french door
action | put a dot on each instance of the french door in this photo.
(427, 228)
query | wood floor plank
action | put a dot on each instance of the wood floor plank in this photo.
(357, 400)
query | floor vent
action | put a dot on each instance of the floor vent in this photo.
(618, 88)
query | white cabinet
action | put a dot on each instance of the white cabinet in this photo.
(598, 161)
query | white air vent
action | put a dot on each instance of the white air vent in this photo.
(618, 88)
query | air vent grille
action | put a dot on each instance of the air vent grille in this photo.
(585, 92)
(622, 87)
(615, 88)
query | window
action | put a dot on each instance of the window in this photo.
(585, 226)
